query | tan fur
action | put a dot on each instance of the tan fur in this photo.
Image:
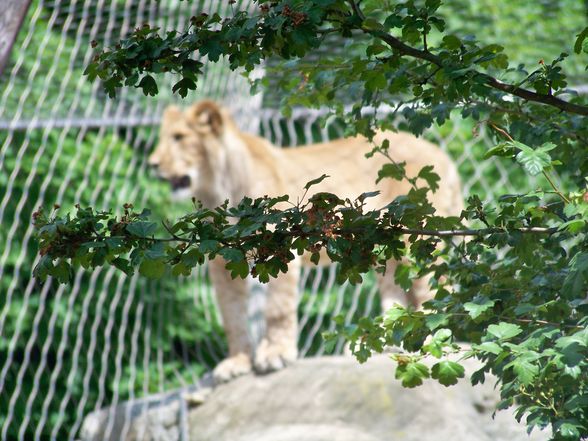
(224, 163)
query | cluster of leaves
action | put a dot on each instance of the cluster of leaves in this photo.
(517, 291)
(255, 230)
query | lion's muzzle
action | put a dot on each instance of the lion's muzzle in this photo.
(178, 183)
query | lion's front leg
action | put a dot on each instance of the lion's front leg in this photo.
(232, 296)
(279, 347)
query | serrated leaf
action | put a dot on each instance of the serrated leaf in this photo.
(490, 347)
(208, 246)
(504, 331)
(232, 254)
(524, 369)
(433, 321)
(412, 373)
(142, 229)
(576, 402)
(575, 282)
(238, 269)
(394, 171)
(148, 85)
(373, 25)
(580, 337)
(183, 86)
(534, 161)
(430, 177)
(447, 372)
(476, 308)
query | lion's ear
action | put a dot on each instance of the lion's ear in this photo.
(172, 113)
(206, 117)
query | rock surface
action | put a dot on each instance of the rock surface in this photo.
(337, 399)
(316, 399)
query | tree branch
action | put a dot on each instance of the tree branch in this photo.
(526, 94)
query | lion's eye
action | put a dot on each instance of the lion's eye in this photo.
(178, 136)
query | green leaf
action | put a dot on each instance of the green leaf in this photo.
(433, 321)
(440, 339)
(412, 373)
(524, 369)
(123, 264)
(504, 331)
(430, 177)
(447, 372)
(152, 268)
(142, 229)
(403, 277)
(375, 49)
(503, 149)
(534, 161)
(181, 269)
(62, 271)
(373, 25)
(148, 85)
(208, 246)
(573, 226)
(315, 181)
(575, 282)
(569, 429)
(232, 254)
(480, 305)
(395, 171)
(579, 44)
(451, 42)
(489, 347)
(183, 86)
(156, 251)
(238, 269)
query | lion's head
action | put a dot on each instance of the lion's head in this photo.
(190, 151)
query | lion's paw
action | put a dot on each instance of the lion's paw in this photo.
(271, 357)
(232, 367)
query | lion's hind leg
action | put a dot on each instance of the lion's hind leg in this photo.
(279, 347)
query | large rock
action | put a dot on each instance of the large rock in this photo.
(337, 399)
(318, 399)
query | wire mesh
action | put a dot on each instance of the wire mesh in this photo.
(66, 351)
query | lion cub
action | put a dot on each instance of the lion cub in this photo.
(203, 154)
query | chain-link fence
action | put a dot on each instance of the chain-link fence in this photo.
(68, 350)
